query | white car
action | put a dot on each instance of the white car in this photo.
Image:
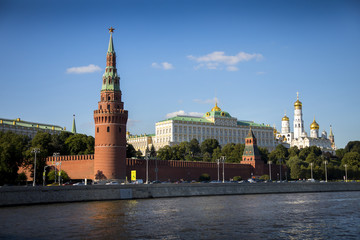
(112, 183)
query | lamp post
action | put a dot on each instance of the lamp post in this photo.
(311, 165)
(218, 164)
(223, 162)
(56, 155)
(345, 172)
(35, 150)
(325, 162)
(147, 167)
(270, 162)
(44, 173)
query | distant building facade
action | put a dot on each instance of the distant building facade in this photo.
(29, 129)
(299, 137)
(215, 124)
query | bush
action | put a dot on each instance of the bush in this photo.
(237, 178)
(265, 177)
(204, 177)
(21, 178)
(64, 176)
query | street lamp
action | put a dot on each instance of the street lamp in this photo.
(325, 162)
(56, 155)
(345, 172)
(147, 167)
(218, 164)
(311, 165)
(44, 173)
(35, 150)
(270, 162)
(223, 162)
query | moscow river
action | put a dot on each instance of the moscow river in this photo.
(334, 215)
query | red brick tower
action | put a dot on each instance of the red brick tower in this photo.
(252, 155)
(110, 124)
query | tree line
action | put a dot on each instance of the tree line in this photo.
(15, 151)
(299, 162)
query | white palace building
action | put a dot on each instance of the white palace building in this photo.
(215, 124)
(299, 137)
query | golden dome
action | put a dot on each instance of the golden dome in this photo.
(298, 104)
(216, 108)
(285, 118)
(314, 125)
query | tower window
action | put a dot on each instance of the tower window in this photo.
(109, 98)
(119, 129)
(97, 129)
(108, 129)
(100, 107)
(108, 107)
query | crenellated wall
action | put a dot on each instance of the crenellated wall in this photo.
(82, 166)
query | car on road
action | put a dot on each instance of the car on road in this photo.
(112, 183)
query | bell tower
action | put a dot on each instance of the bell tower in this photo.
(110, 124)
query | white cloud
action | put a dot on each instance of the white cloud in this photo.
(183, 113)
(232, 68)
(214, 59)
(207, 101)
(84, 69)
(260, 73)
(163, 65)
(132, 122)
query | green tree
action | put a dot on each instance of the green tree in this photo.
(293, 151)
(164, 153)
(340, 153)
(208, 146)
(217, 153)
(79, 144)
(194, 147)
(351, 159)
(130, 151)
(353, 146)
(297, 167)
(279, 153)
(264, 152)
(227, 151)
(152, 151)
(265, 177)
(12, 149)
(64, 176)
(206, 157)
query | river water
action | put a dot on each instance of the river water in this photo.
(270, 216)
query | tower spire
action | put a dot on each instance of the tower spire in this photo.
(73, 129)
(111, 80)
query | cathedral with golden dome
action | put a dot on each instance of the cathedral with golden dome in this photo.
(299, 137)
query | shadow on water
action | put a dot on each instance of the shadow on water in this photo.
(271, 216)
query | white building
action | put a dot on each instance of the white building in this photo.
(216, 124)
(29, 129)
(299, 137)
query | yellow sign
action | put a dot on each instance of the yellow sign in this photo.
(133, 175)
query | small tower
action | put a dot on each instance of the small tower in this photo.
(110, 124)
(73, 129)
(314, 129)
(298, 120)
(332, 138)
(285, 125)
(252, 155)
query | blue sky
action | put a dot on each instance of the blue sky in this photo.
(172, 56)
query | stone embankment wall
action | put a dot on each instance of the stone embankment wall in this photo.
(37, 195)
